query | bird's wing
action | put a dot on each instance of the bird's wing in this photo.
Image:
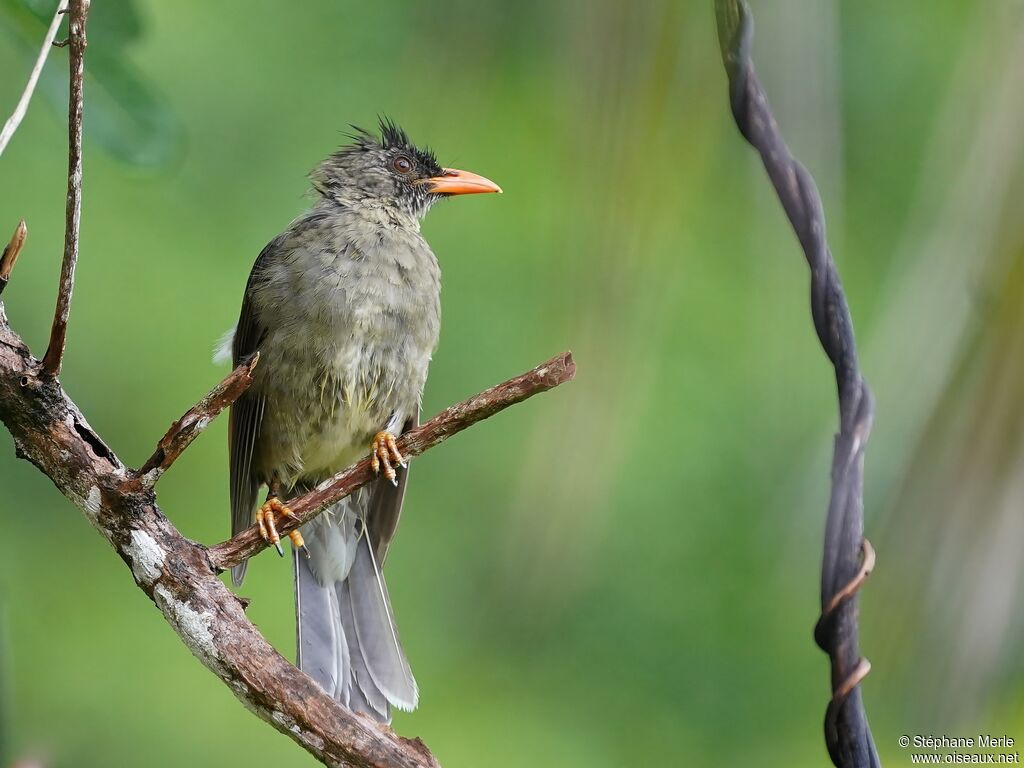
(244, 423)
(385, 504)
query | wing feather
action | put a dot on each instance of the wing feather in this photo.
(244, 421)
(385, 504)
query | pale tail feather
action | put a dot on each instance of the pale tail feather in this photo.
(376, 631)
(346, 637)
(320, 648)
(364, 695)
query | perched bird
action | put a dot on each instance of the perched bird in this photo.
(344, 309)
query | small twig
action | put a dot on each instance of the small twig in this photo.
(848, 558)
(196, 419)
(26, 96)
(11, 251)
(79, 12)
(450, 421)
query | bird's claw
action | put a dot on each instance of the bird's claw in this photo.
(268, 526)
(384, 454)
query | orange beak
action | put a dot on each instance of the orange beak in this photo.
(454, 182)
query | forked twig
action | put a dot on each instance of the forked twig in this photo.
(196, 419)
(450, 421)
(179, 575)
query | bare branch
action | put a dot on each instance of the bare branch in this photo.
(848, 558)
(11, 252)
(177, 575)
(50, 431)
(196, 419)
(450, 421)
(78, 13)
(26, 96)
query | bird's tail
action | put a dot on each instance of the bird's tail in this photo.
(346, 635)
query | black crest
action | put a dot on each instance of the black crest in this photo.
(391, 136)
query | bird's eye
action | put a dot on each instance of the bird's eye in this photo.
(402, 164)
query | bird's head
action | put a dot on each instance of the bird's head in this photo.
(391, 171)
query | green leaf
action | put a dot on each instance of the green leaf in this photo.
(112, 23)
(124, 114)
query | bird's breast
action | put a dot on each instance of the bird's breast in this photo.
(351, 325)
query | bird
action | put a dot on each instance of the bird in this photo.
(343, 308)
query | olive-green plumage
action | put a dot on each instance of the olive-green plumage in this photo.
(344, 309)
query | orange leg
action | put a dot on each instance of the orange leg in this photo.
(268, 525)
(384, 454)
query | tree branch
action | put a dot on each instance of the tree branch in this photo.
(175, 573)
(450, 421)
(848, 558)
(51, 432)
(11, 252)
(26, 96)
(77, 16)
(196, 419)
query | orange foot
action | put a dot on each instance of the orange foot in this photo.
(384, 451)
(268, 526)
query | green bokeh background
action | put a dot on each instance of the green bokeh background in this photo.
(622, 572)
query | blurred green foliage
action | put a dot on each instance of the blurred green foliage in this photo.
(622, 572)
(130, 120)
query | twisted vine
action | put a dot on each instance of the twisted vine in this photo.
(848, 557)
